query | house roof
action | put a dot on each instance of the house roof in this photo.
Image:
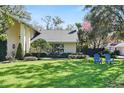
(58, 36)
(120, 45)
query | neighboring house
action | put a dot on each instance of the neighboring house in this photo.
(62, 41)
(120, 47)
(20, 32)
(111, 46)
(116, 46)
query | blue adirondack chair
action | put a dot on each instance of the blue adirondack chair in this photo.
(108, 58)
(97, 58)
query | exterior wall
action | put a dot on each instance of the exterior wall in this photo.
(27, 42)
(13, 39)
(26, 35)
(18, 33)
(121, 49)
(69, 47)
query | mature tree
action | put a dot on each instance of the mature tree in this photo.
(83, 33)
(104, 20)
(6, 13)
(48, 21)
(70, 27)
(107, 17)
(40, 45)
(37, 26)
(57, 21)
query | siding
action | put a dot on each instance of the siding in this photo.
(69, 47)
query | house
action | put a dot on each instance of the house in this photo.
(111, 46)
(20, 32)
(62, 41)
(120, 47)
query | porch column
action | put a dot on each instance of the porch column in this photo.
(27, 43)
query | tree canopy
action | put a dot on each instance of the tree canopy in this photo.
(13, 10)
(104, 19)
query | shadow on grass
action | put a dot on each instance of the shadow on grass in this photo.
(66, 74)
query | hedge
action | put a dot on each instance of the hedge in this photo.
(3, 48)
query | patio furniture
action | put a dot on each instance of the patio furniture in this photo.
(108, 58)
(97, 58)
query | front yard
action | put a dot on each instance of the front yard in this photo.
(61, 74)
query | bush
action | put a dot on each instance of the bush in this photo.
(117, 52)
(113, 55)
(28, 54)
(30, 58)
(64, 55)
(3, 48)
(39, 54)
(19, 53)
(76, 56)
(10, 59)
(91, 52)
(106, 51)
(43, 55)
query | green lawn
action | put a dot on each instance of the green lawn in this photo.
(61, 74)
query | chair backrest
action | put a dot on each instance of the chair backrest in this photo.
(107, 56)
(96, 56)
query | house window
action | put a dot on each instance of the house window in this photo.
(57, 48)
(13, 46)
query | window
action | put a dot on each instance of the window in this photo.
(57, 48)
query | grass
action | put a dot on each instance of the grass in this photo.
(61, 74)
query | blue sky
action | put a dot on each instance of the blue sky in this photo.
(69, 13)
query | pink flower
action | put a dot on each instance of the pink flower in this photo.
(86, 26)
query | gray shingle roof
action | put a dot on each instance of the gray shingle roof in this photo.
(58, 36)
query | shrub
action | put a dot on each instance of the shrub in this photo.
(3, 48)
(28, 54)
(76, 56)
(106, 51)
(39, 54)
(10, 59)
(19, 53)
(91, 52)
(43, 55)
(64, 55)
(30, 58)
(112, 54)
(117, 52)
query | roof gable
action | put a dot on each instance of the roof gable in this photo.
(58, 36)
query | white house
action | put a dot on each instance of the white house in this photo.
(20, 32)
(120, 47)
(62, 40)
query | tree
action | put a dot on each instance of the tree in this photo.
(83, 33)
(6, 11)
(104, 20)
(40, 45)
(57, 21)
(37, 26)
(47, 20)
(70, 27)
(19, 53)
(110, 17)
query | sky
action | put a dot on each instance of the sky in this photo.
(70, 14)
